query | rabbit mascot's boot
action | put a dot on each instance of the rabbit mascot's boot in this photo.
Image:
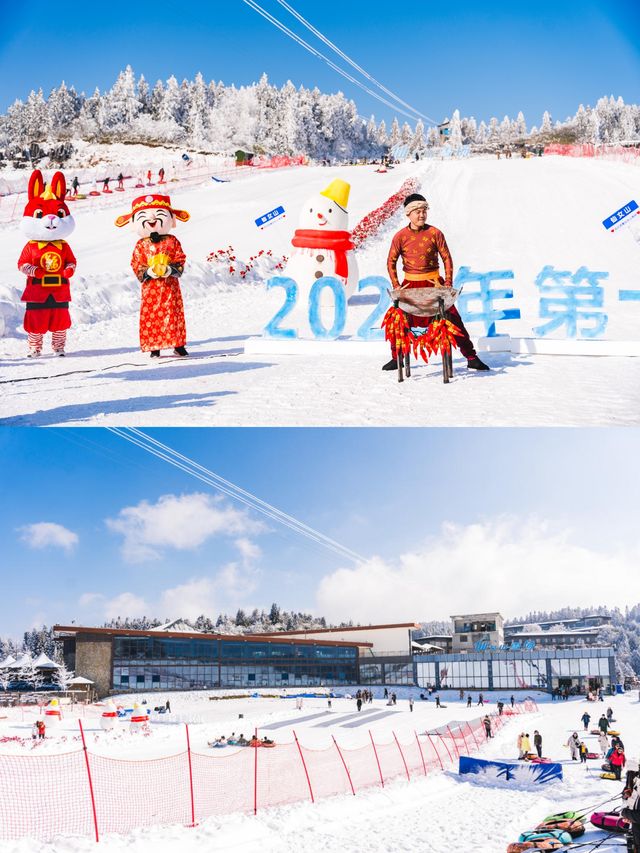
(48, 263)
(158, 262)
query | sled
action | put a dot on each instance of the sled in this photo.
(537, 760)
(119, 190)
(538, 841)
(107, 191)
(574, 827)
(94, 192)
(607, 774)
(595, 732)
(545, 835)
(139, 186)
(610, 821)
(613, 733)
(593, 755)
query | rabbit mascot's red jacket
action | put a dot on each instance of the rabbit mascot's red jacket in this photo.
(158, 262)
(47, 260)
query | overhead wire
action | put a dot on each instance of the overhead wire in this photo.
(199, 472)
(350, 61)
(273, 20)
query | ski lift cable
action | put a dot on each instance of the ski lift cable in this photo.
(232, 486)
(237, 489)
(252, 4)
(318, 538)
(209, 478)
(347, 59)
(167, 458)
(268, 17)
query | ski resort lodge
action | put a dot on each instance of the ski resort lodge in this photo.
(549, 656)
(481, 654)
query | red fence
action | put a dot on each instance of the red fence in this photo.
(80, 793)
(609, 152)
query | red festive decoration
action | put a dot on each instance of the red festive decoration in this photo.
(439, 338)
(265, 259)
(373, 221)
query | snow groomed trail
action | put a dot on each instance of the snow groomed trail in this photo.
(517, 216)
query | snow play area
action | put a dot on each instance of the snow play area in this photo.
(528, 244)
(435, 810)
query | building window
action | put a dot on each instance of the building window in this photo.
(463, 638)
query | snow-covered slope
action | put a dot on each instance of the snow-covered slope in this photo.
(517, 215)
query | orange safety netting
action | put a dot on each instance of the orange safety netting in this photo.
(44, 796)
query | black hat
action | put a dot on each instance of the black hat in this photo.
(413, 197)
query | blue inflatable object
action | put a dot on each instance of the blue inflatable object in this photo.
(509, 771)
(541, 834)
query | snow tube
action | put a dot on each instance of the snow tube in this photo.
(611, 821)
(564, 816)
(546, 834)
(613, 733)
(575, 828)
(542, 844)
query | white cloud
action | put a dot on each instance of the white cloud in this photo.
(509, 564)
(126, 604)
(45, 534)
(190, 599)
(182, 522)
(87, 599)
(249, 551)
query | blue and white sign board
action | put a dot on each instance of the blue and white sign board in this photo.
(621, 217)
(271, 217)
(507, 771)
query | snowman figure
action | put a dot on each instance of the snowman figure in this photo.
(322, 247)
(109, 716)
(139, 719)
(52, 714)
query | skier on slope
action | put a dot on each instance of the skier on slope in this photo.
(419, 245)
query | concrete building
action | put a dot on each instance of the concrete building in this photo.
(120, 660)
(473, 628)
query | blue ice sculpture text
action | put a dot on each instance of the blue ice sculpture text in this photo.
(488, 314)
(566, 301)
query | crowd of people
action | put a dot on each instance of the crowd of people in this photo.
(239, 740)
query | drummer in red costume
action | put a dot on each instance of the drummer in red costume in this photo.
(419, 245)
(158, 262)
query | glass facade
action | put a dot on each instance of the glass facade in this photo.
(573, 670)
(182, 664)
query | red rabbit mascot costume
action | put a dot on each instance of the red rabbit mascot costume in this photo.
(158, 262)
(48, 263)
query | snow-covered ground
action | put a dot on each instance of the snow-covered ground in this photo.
(435, 814)
(517, 215)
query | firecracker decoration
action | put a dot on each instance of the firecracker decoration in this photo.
(373, 221)
(439, 338)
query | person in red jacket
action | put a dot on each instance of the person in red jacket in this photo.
(48, 263)
(617, 760)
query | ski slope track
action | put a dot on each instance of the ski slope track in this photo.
(517, 215)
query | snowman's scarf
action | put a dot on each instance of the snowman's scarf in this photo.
(338, 242)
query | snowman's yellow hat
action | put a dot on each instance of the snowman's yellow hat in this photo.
(338, 191)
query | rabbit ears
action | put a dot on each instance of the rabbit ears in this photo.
(56, 189)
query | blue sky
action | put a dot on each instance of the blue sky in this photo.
(490, 58)
(447, 519)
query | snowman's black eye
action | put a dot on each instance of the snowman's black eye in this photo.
(330, 210)
(310, 210)
(61, 213)
(37, 214)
